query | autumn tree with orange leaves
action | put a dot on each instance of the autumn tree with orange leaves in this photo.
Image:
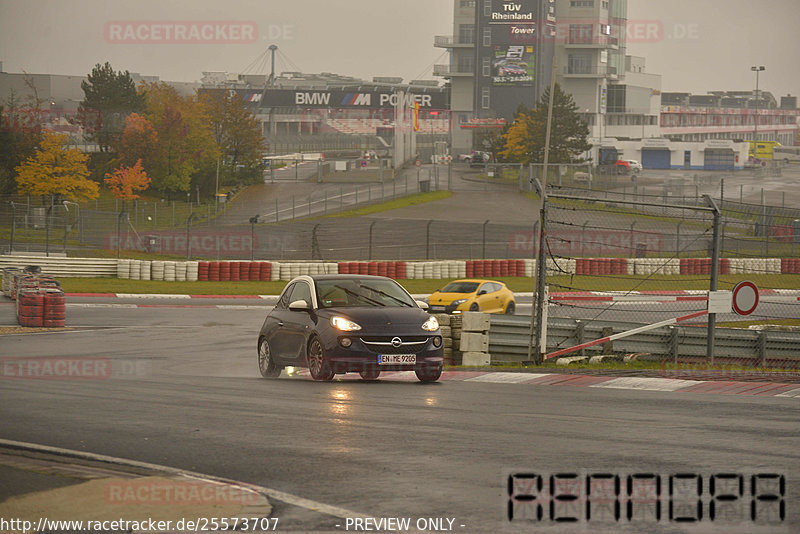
(126, 182)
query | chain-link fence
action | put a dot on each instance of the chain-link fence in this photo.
(647, 259)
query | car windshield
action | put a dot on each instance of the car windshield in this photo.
(461, 287)
(361, 292)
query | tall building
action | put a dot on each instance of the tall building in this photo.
(613, 91)
(500, 57)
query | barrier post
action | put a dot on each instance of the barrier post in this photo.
(712, 317)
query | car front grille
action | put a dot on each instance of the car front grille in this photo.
(383, 344)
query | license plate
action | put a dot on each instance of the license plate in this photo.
(437, 308)
(397, 359)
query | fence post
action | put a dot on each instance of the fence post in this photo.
(13, 226)
(633, 240)
(678, 240)
(762, 347)
(428, 240)
(673, 343)
(712, 317)
(483, 242)
(189, 237)
(47, 230)
(293, 207)
(580, 331)
(316, 254)
(541, 280)
(369, 253)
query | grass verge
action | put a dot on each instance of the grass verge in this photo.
(517, 284)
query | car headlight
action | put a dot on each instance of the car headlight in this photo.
(343, 324)
(459, 302)
(431, 325)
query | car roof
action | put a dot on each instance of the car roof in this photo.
(347, 277)
(478, 280)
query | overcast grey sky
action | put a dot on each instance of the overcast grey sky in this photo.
(699, 45)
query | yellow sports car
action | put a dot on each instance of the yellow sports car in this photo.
(488, 296)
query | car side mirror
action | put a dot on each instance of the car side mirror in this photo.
(482, 292)
(422, 304)
(299, 305)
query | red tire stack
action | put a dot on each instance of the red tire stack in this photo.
(203, 269)
(225, 271)
(400, 270)
(55, 309)
(265, 273)
(30, 307)
(255, 270)
(213, 271)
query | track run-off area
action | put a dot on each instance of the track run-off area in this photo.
(177, 385)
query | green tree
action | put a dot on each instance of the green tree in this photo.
(56, 172)
(109, 97)
(185, 139)
(238, 136)
(19, 137)
(525, 139)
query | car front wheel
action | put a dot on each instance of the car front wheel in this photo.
(266, 364)
(319, 368)
(510, 308)
(474, 307)
(429, 373)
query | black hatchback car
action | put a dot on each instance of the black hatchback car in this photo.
(335, 324)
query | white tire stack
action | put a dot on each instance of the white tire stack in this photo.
(157, 270)
(192, 270)
(123, 269)
(180, 271)
(135, 270)
(144, 270)
(169, 271)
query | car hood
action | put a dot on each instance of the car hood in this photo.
(447, 298)
(375, 316)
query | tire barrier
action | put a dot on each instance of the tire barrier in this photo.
(691, 266)
(392, 269)
(601, 266)
(450, 269)
(790, 266)
(39, 301)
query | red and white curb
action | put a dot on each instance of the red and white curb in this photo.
(724, 387)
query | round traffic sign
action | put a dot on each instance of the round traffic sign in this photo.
(745, 298)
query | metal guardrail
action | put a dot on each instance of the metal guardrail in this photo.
(509, 336)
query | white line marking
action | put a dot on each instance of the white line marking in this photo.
(506, 378)
(99, 305)
(151, 296)
(646, 383)
(275, 494)
(791, 393)
(240, 307)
